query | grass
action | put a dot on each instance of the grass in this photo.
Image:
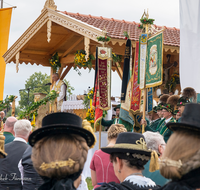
(89, 183)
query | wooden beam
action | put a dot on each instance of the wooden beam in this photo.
(66, 71)
(119, 70)
(68, 59)
(60, 43)
(72, 47)
(60, 70)
(34, 52)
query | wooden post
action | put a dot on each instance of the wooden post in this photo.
(55, 105)
(144, 108)
(13, 106)
(100, 135)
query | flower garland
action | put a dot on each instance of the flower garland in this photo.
(33, 108)
(103, 38)
(55, 62)
(116, 58)
(171, 84)
(80, 60)
(126, 35)
(145, 21)
(6, 102)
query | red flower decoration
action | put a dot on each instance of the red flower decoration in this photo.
(181, 102)
(167, 106)
(145, 20)
(139, 25)
(105, 37)
(126, 38)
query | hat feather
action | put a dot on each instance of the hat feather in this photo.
(173, 100)
(163, 98)
(190, 93)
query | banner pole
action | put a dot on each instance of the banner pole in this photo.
(144, 108)
(100, 135)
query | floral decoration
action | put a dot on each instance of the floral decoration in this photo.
(103, 38)
(33, 108)
(145, 21)
(174, 80)
(55, 62)
(126, 35)
(116, 58)
(80, 60)
(6, 102)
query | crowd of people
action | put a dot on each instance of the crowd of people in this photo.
(165, 157)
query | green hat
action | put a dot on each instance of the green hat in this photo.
(118, 106)
(169, 108)
(182, 101)
(160, 106)
(155, 109)
(175, 112)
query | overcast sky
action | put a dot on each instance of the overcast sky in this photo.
(165, 13)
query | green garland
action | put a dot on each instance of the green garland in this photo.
(55, 62)
(103, 39)
(6, 102)
(145, 21)
(33, 108)
(126, 35)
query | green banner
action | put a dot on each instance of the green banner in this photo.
(154, 61)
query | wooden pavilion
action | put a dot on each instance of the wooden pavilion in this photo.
(65, 33)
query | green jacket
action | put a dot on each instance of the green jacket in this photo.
(9, 137)
(108, 123)
(152, 126)
(164, 131)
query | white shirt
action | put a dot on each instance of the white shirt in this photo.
(167, 120)
(140, 180)
(62, 92)
(83, 184)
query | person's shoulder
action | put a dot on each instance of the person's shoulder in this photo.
(175, 186)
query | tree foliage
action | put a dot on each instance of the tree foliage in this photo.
(36, 82)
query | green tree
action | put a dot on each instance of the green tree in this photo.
(36, 82)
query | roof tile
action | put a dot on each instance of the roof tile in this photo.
(115, 28)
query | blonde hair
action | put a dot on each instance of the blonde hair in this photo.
(184, 146)
(114, 130)
(60, 148)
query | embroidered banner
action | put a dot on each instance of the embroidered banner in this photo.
(104, 80)
(136, 92)
(126, 70)
(150, 100)
(154, 67)
(142, 60)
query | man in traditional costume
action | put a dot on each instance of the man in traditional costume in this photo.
(189, 95)
(117, 120)
(61, 87)
(155, 120)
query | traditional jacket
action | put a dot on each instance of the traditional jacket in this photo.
(164, 130)
(61, 87)
(189, 181)
(108, 123)
(153, 125)
(8, 137)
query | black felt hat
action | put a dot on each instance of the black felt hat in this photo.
(129, 142)
(117, 107)
(183, 101)
(190, 119)
(61, 123)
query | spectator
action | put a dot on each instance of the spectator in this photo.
(155, 142)
(15, 149)
(30, 178)
(129, 155)
(9, 129)
(60, 150)
(181, 160)
(101, 168)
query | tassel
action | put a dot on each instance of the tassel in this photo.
(2, 142)
(154, 165)
(86, 125)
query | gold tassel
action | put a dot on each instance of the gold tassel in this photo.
(2, 142)
(154, 165)
(86, 125)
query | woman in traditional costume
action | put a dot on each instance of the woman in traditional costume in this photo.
(129, 155)
(101, 168)
(60, 150)
(181, 159)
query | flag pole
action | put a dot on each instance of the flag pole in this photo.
(145, 90)
(100, 134)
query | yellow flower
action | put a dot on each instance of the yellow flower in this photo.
(91, 111)
(91, 121)
(91, 91)
(92, 115)
(87, 114)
